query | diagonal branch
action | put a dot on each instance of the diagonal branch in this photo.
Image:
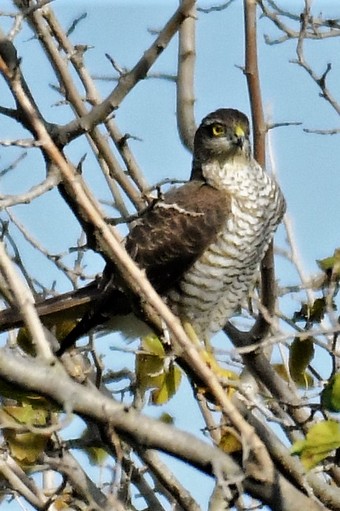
(128, 81)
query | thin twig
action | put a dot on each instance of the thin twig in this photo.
(25, 304)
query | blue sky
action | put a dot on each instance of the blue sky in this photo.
(308, 164)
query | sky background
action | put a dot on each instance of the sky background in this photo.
(307, 164)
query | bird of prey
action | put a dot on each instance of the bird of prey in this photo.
(200, 244)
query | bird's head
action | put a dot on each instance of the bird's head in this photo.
(223, 136)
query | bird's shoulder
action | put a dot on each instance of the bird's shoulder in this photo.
(197, 197)
(171, 235)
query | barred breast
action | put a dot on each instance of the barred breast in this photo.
(213, 288)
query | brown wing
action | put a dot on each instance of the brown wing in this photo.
(171, 236)
(165, 242)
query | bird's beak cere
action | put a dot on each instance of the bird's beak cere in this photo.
(239, 137)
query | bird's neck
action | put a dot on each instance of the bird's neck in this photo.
(223, 172)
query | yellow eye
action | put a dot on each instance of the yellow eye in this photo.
(217, 130)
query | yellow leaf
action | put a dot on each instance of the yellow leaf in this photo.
(221, 373)
(171, 381)
(150, 363)
(229, 443)
(303, 380)
(59, 330)
(152, 344)
(320, 441)
(149, 371)
(26, 414)
(63, 501)
(25, 446)
(208, 357)
(153, 370)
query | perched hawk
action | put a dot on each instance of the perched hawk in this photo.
(200, 244)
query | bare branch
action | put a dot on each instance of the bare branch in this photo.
(334, 131)
(215, 8)
(66, 464)
(128, 81)
(48, 184)
(301, 61)
(25, 304)
(316, 27)
(19, 482)
(185, 81)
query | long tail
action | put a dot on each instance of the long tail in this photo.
(68, 306)
(94, 305)
(109, 303)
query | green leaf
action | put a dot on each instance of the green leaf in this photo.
(321, 440)
(96, 455)
(155, 370)
(166, 418)
(330, 396)
(303, 380)
(25, 446)
(168, 388)
(312, 313)
(150, 363)
(59, 330)
(331, 265)
(300, 355)
(151, 344)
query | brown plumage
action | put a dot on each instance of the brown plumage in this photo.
(200, 244)
(170, 237)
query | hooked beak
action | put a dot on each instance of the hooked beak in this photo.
(239, 137)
